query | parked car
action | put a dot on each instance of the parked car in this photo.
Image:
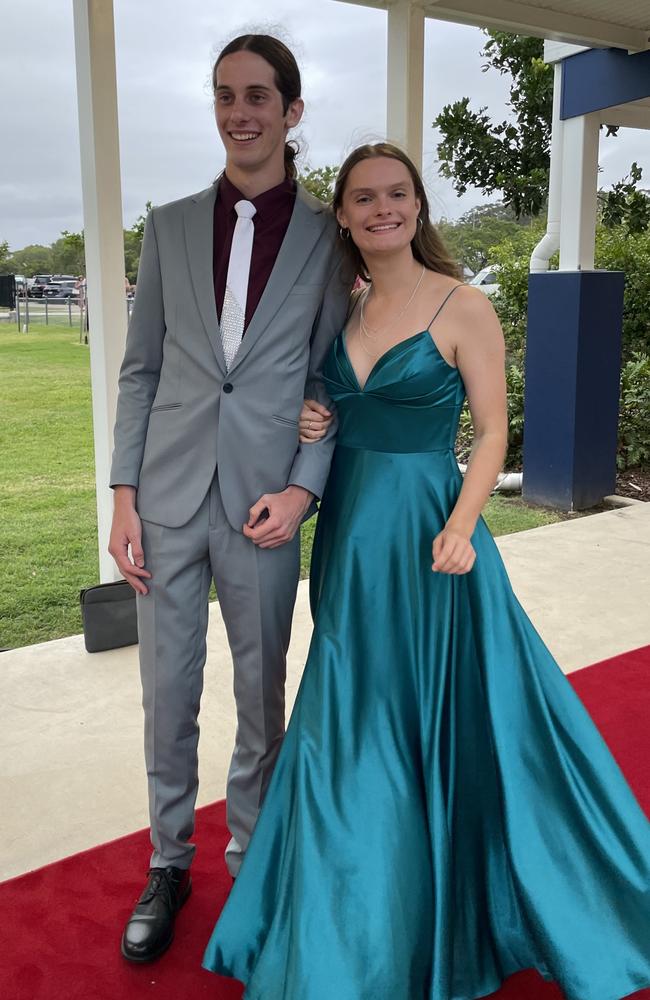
(38, 284)
(487, 280)
(61, 291)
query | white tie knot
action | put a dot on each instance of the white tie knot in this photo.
(245, 209)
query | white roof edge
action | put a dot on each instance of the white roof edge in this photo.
(557, 51)
(527, 17)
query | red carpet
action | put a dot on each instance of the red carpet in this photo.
(61, 924)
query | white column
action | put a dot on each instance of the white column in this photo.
(579, 193)
(405, 104)
(102, 205)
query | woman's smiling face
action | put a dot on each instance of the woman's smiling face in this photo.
(379, 206)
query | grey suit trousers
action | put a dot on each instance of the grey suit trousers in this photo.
(256, 589)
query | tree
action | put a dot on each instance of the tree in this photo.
(133, 245)
(471, 238)
(132, 248)
(33, 259)
(320, 182)
(511, 156)
(138, 226)
(625, 205)
(68, 254)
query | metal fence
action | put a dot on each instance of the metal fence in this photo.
(70, 313)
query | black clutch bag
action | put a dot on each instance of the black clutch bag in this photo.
(109, 616)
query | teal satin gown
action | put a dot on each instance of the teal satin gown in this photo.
(443, 812)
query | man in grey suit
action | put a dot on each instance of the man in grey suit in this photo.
(239, 296)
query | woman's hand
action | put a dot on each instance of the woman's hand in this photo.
(452, 552)
(314, 421)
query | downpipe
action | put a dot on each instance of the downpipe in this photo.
(507, 482)
(550, 242)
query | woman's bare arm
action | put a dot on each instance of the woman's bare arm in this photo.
(480, 356)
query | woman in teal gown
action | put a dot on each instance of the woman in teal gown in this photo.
(443, 812)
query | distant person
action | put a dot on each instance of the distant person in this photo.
(443, 812)
(82, 297)
(239, 296)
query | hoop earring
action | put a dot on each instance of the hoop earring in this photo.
(344, 234)
(420, 222)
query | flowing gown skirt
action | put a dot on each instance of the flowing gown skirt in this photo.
(443, 812)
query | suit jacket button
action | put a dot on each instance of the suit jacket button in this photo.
(227, 387)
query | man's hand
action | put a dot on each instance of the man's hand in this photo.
(126, 530)
(275, 518)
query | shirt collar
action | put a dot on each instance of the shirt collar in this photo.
(266, 203)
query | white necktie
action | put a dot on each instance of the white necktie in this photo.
(233, 312)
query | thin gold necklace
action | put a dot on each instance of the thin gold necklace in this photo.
(367, 331)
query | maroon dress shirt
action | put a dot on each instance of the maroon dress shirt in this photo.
(274, 209)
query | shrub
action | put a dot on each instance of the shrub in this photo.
(634, 420)
(513, 460)
(618, 250)
(511, 302)
(515, 383)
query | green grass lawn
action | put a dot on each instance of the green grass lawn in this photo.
(47, 492)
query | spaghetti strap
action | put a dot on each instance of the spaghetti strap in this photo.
(444, 303)
(355, 297)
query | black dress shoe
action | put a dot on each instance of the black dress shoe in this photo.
(150, 930)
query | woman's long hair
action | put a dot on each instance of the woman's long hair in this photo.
(427, 245)
(287, 78)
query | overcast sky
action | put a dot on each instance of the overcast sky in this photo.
(169, 143)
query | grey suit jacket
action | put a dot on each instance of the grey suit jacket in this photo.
(179, 414)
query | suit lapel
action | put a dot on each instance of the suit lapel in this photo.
(199, 238)
(307, 222)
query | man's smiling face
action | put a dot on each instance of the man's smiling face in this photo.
(250, 114)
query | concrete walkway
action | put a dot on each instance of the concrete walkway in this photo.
(71, 726)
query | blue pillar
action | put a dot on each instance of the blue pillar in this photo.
(573, 365)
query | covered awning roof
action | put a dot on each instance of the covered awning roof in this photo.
(623, 24)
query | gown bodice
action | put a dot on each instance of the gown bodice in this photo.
(411, 400)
